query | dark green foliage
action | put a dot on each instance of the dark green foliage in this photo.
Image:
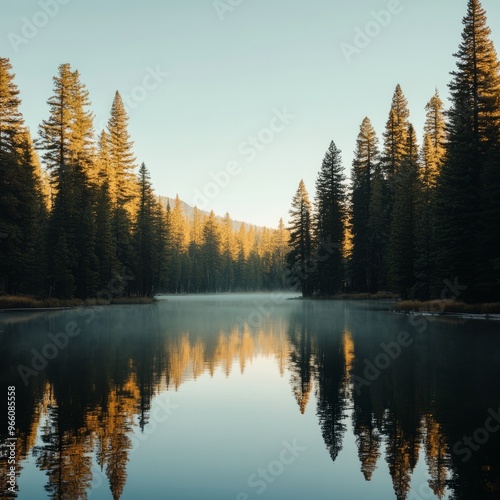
(299, 259)
(329, 223)
(363, 168)
(211, 250)
(467, 201)
(378, 230)
(105, 242)
(67, 139)
(402, 243)
(22, 207)
(431, 163)
(145, 239)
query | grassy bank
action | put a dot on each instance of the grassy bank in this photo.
(447, 306)
(28, 302)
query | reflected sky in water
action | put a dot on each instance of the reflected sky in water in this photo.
(252, 396)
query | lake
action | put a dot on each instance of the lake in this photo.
(251, 396)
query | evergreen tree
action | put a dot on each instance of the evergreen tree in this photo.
(384, 183)
(196, 274)
(299, 256)
(124, 188)
(146, 249)
(432, 157)
(435, 128)
(366, 158)
(11, 120)
(468, 186)
(22, 207)
(378, 229)
(67, 138)
(161, 240)
(211, 251)
(402, 243)
(178, 244)
(329, 223)
(122, 157)
(228, 253)
(105, 243)
(33, 211)
(395, 136)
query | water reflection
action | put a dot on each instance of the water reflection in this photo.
(87, 403)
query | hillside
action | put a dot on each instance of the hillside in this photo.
(189, 211)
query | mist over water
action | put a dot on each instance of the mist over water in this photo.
(250, 396)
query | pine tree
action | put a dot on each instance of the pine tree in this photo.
(105, 243)
(329, 223)
(11, 120)
(122, 157)
(196, 274)
(33, 211)
(161, 240)
(384, 183)
(145, 246)
(468, 186)
(366, 158)
(435, 128)
(22, 207)
(432, 157)
(299, 256)
(67, 138)
(124, 189)
(211, 252)
(402, 243)
(378, 230)
(395, 136)
(278, 262)
(228, 253)
(178, 244)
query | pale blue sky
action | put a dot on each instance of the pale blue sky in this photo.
(228, 78)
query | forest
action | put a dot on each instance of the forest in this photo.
(77, 211)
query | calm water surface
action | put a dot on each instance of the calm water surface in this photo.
(245, 397)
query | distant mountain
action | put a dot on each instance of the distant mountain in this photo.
(189, 211)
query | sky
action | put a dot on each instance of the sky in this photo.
(232, 102)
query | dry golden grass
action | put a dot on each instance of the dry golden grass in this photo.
(28, 302)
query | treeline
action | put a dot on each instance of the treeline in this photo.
(80, 220)
(413, 216)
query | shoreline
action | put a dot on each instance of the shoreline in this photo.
(477, 316)
(29, 304)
